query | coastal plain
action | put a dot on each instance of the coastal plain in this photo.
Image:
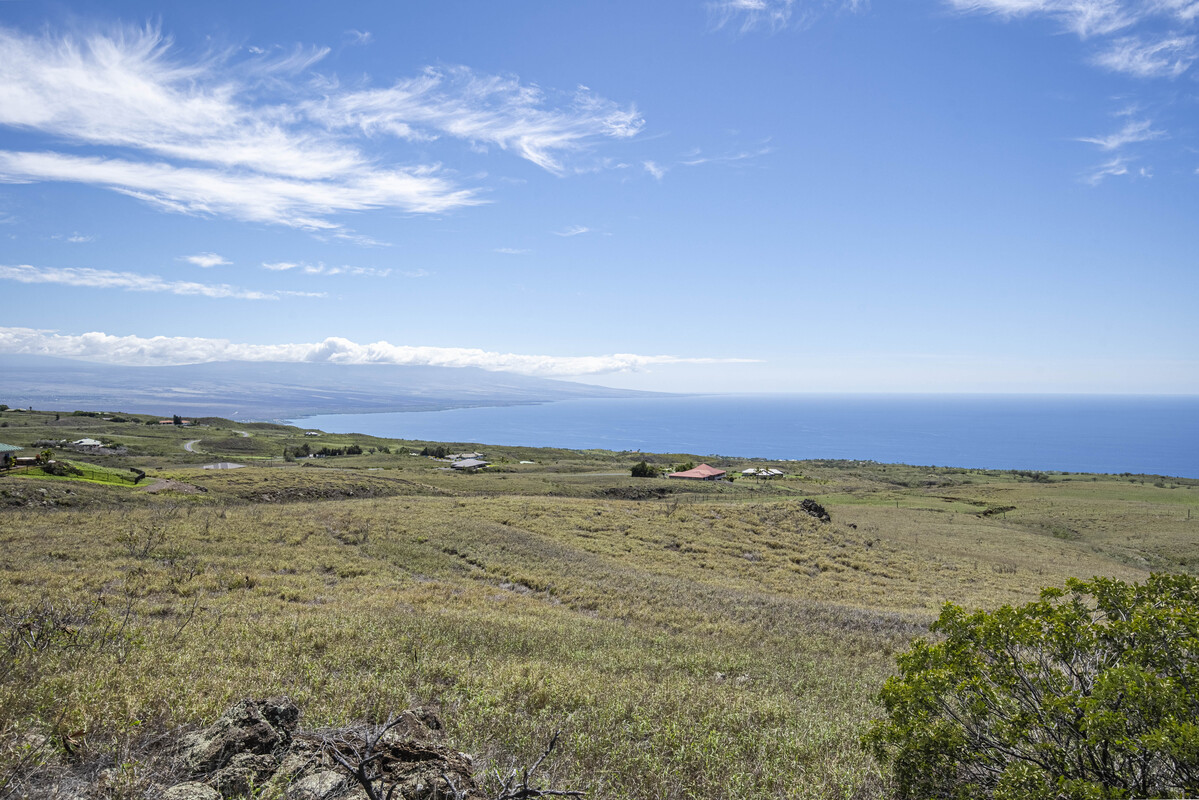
(690, 639)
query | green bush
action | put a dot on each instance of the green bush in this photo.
(1091, 692)
(644, 470)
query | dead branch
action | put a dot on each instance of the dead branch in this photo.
(511, 790)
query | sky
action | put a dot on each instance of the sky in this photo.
(686, 195)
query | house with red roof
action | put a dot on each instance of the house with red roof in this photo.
(701, 473)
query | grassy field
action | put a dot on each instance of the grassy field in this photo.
(691, 640)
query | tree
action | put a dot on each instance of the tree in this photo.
(176, 419)
(1090, 692)
(644, 470)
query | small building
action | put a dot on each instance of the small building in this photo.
(8, 454)
(463, 456)
(469, 464)
(762, 472)
(87, 443)
(701, 473)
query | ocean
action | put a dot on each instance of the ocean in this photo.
(1070, 433)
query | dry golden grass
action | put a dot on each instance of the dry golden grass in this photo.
(715, 642)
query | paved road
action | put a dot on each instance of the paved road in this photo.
(188, 445)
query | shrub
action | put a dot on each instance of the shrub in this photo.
(1090, 692)
(644, 470)
(61, 469)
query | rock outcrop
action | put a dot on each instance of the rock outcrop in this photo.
(812, 508)
(258, 743)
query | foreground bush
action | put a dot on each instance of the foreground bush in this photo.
(1091, 692)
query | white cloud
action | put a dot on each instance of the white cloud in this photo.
(255, 198)
(79, 238)
(653, 168)
(482, 110)
(1116, 167)
(162, 350)
(573, 230)
(1083, 17)
(696, 158)
(752, 14)
(129, 281)
(774, 15)
(1132, 132)
(1168, 57)
(1099, 18)
(320, 268)
(207, 260)
(214, 136)
(513, 251)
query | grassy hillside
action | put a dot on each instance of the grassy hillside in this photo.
(689, 639)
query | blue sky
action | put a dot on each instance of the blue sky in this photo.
(741, 195)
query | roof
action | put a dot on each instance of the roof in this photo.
(87, 443)
(9, 448)
(702, 472)
(468, 463)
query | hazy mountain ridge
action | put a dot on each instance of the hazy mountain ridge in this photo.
(273, 390)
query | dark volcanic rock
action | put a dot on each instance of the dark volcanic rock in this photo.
(816, 510)
(256, 744)
(246, 728)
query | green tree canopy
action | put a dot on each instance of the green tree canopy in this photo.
(1090, 692)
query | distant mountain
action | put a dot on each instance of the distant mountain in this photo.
(270, 390)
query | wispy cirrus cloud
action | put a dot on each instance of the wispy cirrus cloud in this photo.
(128, 281)
(205, 136)
(485, 110)
(655, 169)
(1149, 44)
(698, 158)
(1109, 169)
(164, 350)
(1145, 39)
(774, 15)
(1117, 145)
(207, 260)
(573, 230)
(1083, 17)
(1133, 131)
(320, 268)
(1162, 58)
(513, 251)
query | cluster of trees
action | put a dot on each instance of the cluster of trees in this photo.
(305, 450)
(644, 470)
(1090, 692)
(440, 451)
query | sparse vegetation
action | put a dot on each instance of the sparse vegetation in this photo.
(690, 639)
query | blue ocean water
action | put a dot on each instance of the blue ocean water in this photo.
(1074, 433)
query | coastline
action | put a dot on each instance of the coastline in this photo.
(1113, 434)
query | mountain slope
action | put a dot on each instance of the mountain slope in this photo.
(268, 390)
